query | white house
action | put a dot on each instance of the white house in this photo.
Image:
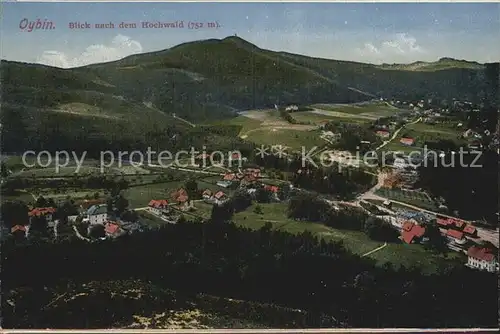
(96, 214)
(482, 259)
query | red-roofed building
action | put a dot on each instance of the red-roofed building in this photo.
(220, 197)
(458, 223)
(456, 236)
(229, 177)
(18, 231)
(482, 259)
(412, 232)
(158, 206)
(383, 133)
(444, 222)
(470, 230)
(112, 229)
(42, 212)
(271, 188)
(407, 141)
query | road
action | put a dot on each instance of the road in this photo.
(396, 133)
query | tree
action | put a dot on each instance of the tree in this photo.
(191, 187)
(241, 200)
(41, 202)
(258, 210)
(263, 195)
(437, 241)
(14, 213)
(120, 204)
(97, 231)
(378, 229)
(130, 216)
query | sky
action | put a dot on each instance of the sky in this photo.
(365, 32)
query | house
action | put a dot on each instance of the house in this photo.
(158, 207)
(42, 212)
(382, 133)
(19, 231)
(407, 141)
(412, 233)
(470, 230)
(96, 214)
(456, 236)
(86, 204)
(444, 223)
(207, 194)
(220, 198)
(292, 108)
(482, 259)
(180, 196)
(112, 229)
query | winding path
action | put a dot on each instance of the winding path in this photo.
(375, 250)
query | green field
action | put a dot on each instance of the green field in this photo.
(141, 195)
(294, 139)
(355, 241)
(411, 197)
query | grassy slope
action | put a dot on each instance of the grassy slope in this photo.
(356, 241)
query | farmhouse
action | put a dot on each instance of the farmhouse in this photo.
(382, 133)
(180, 197)
(19, 230)
(42, 212)
(158, 206)
(482, 259)
(412, 233)
(456, 236)
(407, 141)
(112, 229)
(220, 198)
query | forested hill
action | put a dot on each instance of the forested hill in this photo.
(198, 81)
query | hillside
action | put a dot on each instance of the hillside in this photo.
(128, 103)
(441, 64)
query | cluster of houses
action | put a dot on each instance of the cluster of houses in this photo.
(23, 230)
(459, 234)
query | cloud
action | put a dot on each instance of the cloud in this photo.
(402, 47)
(120, 47)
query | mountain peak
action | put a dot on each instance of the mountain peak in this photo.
(239, 41)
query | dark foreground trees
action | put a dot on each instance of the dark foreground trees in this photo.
(264, 266)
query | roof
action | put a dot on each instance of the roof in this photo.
(458, 223)
(18, 228)
(411, 231)
(483, 254)
(271, 188)
(158, 203)
(382, 132)
(444, 222)
(89, 202)
(180, 195)
(41, 211)
(407, 141)
(97, 210)
(229, 177)
(455, 234)
(470, 229)
(219, 195)
(207, 192)
(112, 228)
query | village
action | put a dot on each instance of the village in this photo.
(95, 221)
